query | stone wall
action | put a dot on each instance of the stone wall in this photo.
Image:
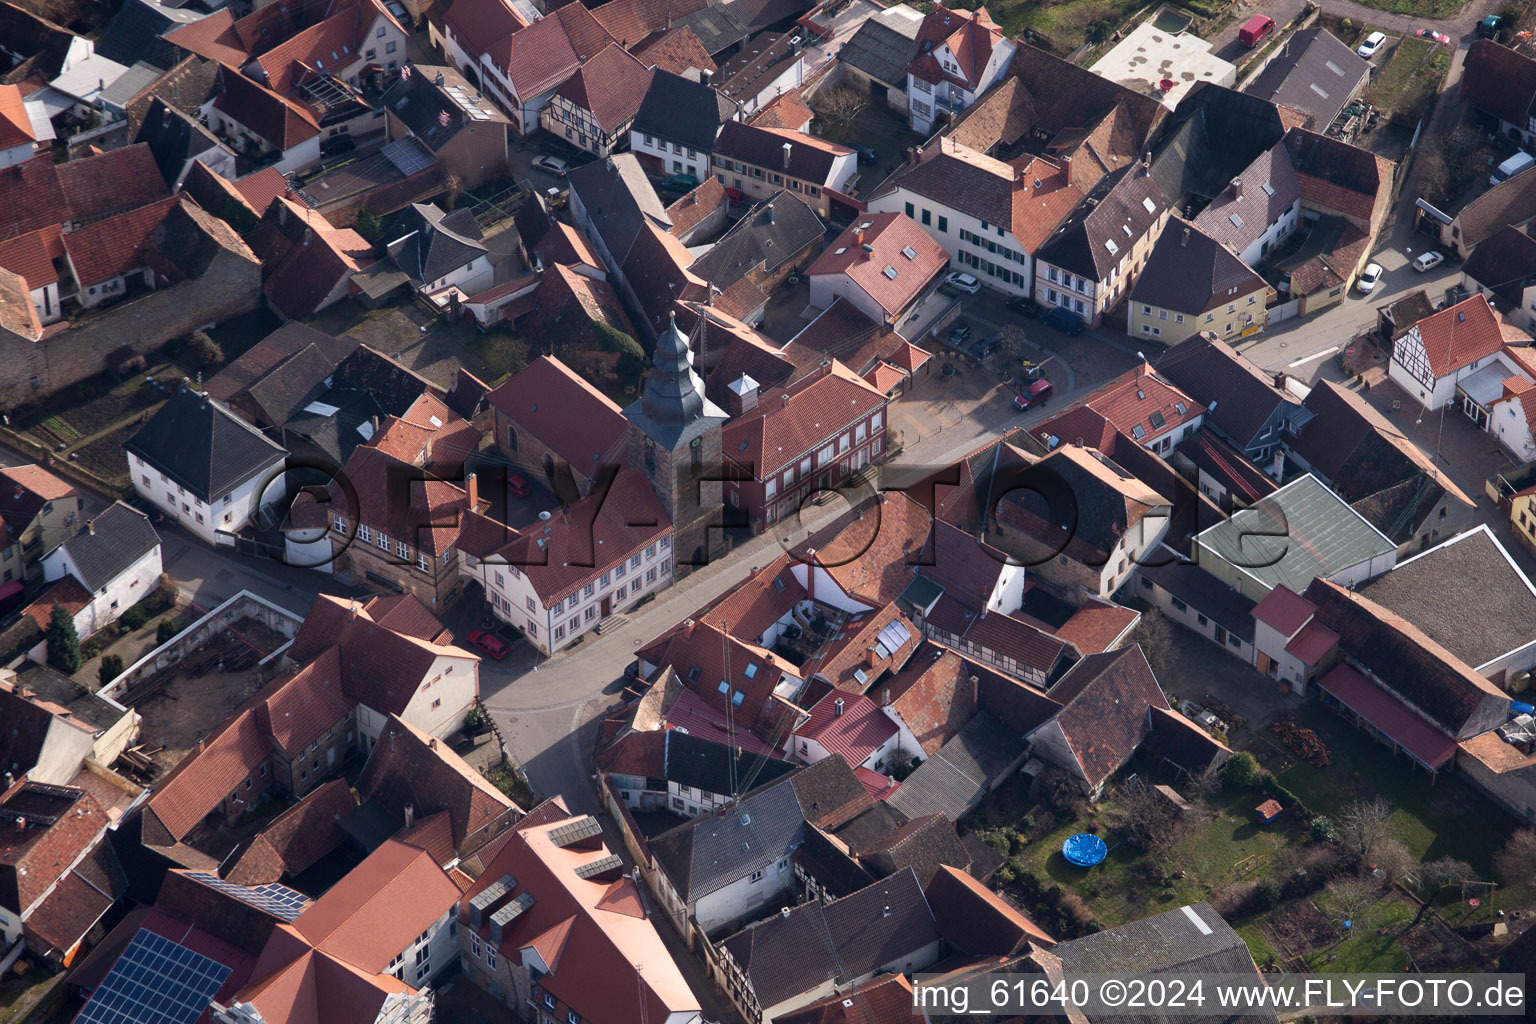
(32, 370)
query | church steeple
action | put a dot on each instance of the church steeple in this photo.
(673, 411)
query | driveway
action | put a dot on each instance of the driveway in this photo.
(1225, 43)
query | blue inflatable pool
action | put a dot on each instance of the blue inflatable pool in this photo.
(1084, 849)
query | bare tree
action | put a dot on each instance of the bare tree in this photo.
(1147, 819)
(452, 186)
(1513, 863)
(1438, 874)
(840, 106)
(1363, 824)
(1155, 635)
(1353, 896)
(1203, 784)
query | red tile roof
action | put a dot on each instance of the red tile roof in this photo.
(543, 55)
(787, 110)
(1097, 626)
(297, 710)
(1388, 714)
(299, 276)
(33, 196)
(631, 22)
(1134, 398)
(976, 919)
(15, 125)
(117, 245)
(479, 25)
(281, 122)
(870, 555)
(213, 37)
(765, 597)
(695, 206)
(1459, 335)
(887, 999)
(404, 613)
(596, 534)
(1104, 718)
(260, 188)
(297, 838)
(609, 962)
(429, 435)
(699, 653)
(66, 591)
(35, 855)
(820, 407)
(971, 37)
(209, 773)
(1313, 643)
(1284, 610)
(933, 695)
(888, 256)
(909, 357)
(678, 51)
(119, 179)
(433, 833)
(31, 255)
(378, 908)
(567, 246)
(557, 406)
(884, 377)
(848, 724)
(305, 54)
(859, 653)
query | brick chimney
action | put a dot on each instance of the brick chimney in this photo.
(687, 629)
(472, 490)
(1237, 188)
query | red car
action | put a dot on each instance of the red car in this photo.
(489, 643)
(1036, 394)
(517, 486)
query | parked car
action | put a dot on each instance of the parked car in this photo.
(1064, 320)
(1429, 33)
(867, 154)
(1036, 394)
(984, 349)
(1373, 42)
(1366, 282)
(680, 183)
(517, 486)
(1492, 26)
(1428, 261)
(550, 165)
(1024, 306)
(1511, 167)
(963, 281)
(489, 643)
(736, 197)
(1255, 29)
(958, 335)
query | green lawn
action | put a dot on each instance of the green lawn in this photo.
(1419, 8)
(1436, 818)
(1372, 945)
(1410, 81)
(1066, 25)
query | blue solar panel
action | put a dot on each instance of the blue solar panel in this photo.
(155, 981)
(280, 901)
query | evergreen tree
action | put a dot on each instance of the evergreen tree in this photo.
(63, 641)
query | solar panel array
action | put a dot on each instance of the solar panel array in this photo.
(600, 867)
(155, 981)
(280, 901)
(407, 158)
(585, 827)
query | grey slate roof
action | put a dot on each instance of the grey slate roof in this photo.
(1212, 372)
(440, 244)
(681, 110)
(883, 47)
(1238, 217)
(765, 148)
(1467, 595)
(963, 771)
(1506, 262)
(1221, 603)
(1211, 137)
(1190, 272)
(773, 231)
(717, 28)
(173, 138)
(198, 443)
(714, 850)
(1300, 533)
(136, 33)
(419, 102)
(1314, 73)
(1119, 201)
(139, 77)
(1171, 941)
(706, 765)
(619, 200)
(787, 955)
(104, 547)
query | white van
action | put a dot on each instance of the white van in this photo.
(1511, 167)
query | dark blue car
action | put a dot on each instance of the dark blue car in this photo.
(1063, 320)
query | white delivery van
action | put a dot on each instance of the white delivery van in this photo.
(1511, 167)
